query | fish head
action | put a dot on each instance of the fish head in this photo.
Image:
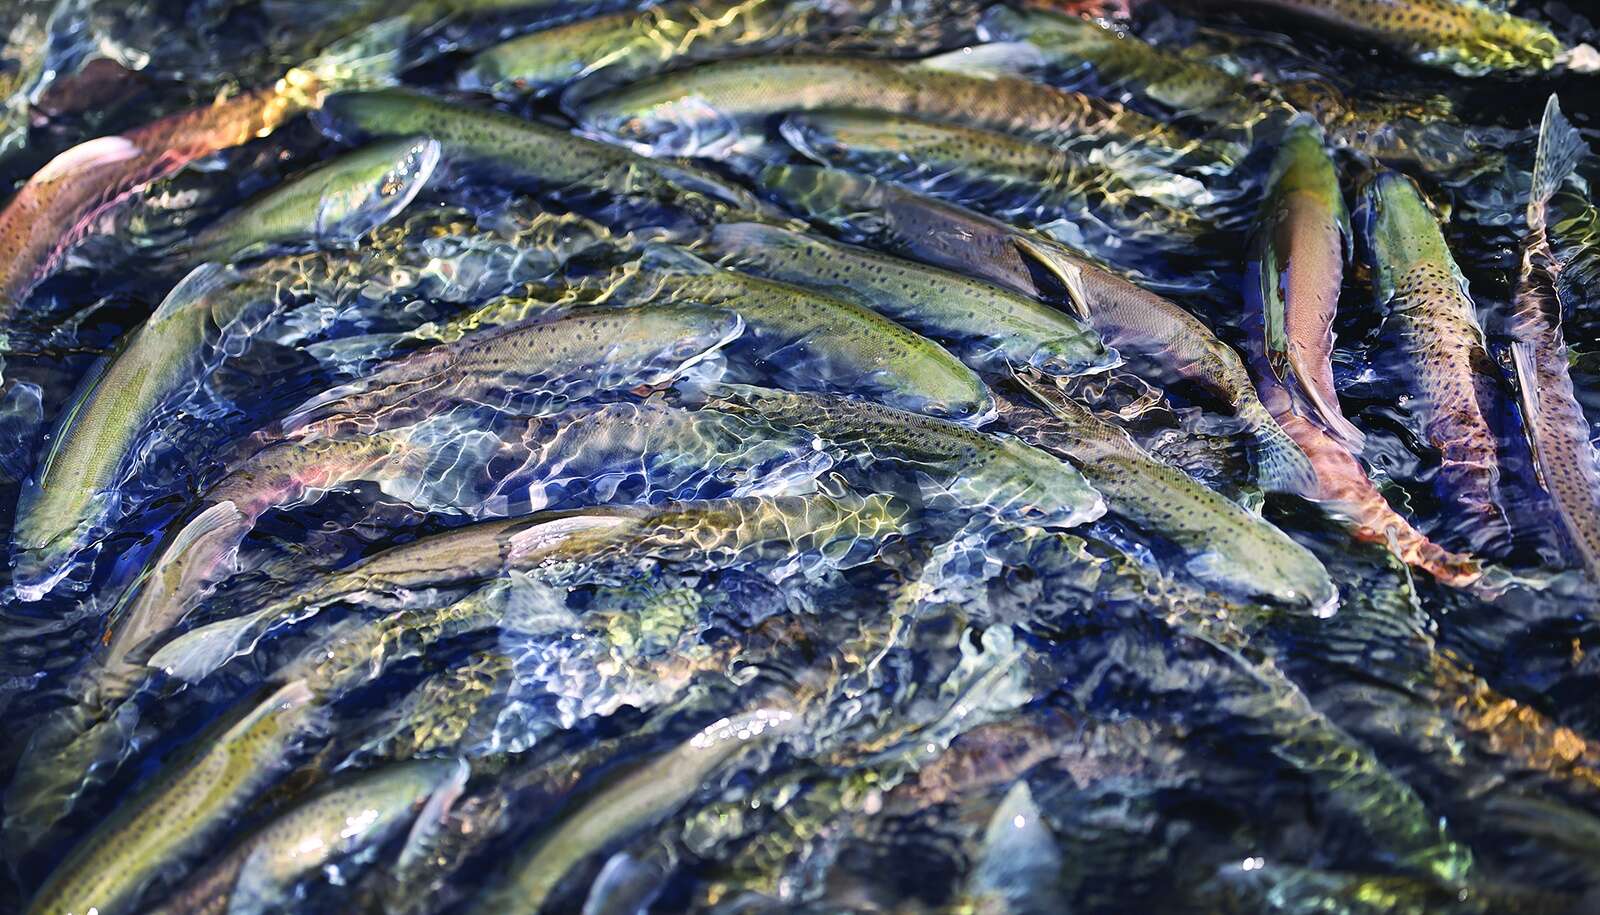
(373, 184)
(657, 120)
(845, 200)
(668, 340)
(1396, 226)
(1069, 357)
(1033, 487)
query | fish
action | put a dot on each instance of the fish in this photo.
(1432, 319)
(988, 326)
(1018, 868)
(703, 110)
(73, 494)
(455, 710)
(1154, 336)
(1465, 37)
(627, 803)
(995, 472)
(1557, 430)
(809, 337)
(716, 531)
(1229, 547)
(160, 830)
(333, 204)
(1297, 259)
(1006, 173)
(260, 871)
(1286, 887)
(58, 206)
(546, 158)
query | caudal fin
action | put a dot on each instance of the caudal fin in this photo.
(367, 59)
(1560, 148)
(1280, 464)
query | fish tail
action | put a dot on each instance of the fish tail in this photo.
(367, 59)
(1280, 464)
(1325, 404)
(1560, 148)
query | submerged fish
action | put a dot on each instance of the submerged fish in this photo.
(989, 326)
(704, 110)
(975, 469)
(554, 160)
(262, 870)
(1467, 37)
(334, 203)
(184, 809)
(1298, 261)
(628, 803)
(74, 493)
(1228, 547)
(1557, 428)
(807, 337)
(1436, 324)
(1007, 173)
(1157, 338)
(59, 204)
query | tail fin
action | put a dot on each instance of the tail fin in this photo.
(367, 59)
(1280, 464)
(1560, 148)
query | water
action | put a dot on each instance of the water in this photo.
(900, 670)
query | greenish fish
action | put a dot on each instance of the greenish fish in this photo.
(1230, 547)
(554, 160)
(183, 811)
(335, 203)
(1298, 258)
(971, 163)
(988, 326)
(261, 872)
(705, 109)
(455, 710)
(802, 334)
(1158, 339)
(1555, 423)
(1433, 320)
(976, 469)
(628, 803)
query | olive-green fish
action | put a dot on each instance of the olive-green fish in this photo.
(1048, 184)
(182, 812)
(627, 803)
(977, 470)
(1466, 37)
(1432, 320)
(1298, 258)
(988, 326)
(334, 203)
(1229, 547)
(806, 336)
(703, 110)
(1555, 423)
(553, 160)
(1157, 338)
(261, 871)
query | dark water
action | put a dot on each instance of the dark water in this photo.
(978, 714)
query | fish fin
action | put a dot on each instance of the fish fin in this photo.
(1581, 58)
(1560, 148)
(432, 816)
(1000, 58)
(88, 154)
(1280, 464)
(367, 59)
(203, 525)
(1522, 365)
(1070, 275)
(194, 288)
(1333, 418)
(1274, 307)
(195, 655)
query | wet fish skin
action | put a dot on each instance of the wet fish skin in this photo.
(258, 873)
(1298, 255)
(334, 203)
(1434, 322)
(1555, 423)
(554, 160)
(991, 327)
(981, 470)
(1155, 336)
(182, 810)
(839, 342)
(1230, 547)
(58, 205)
(700, 111)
